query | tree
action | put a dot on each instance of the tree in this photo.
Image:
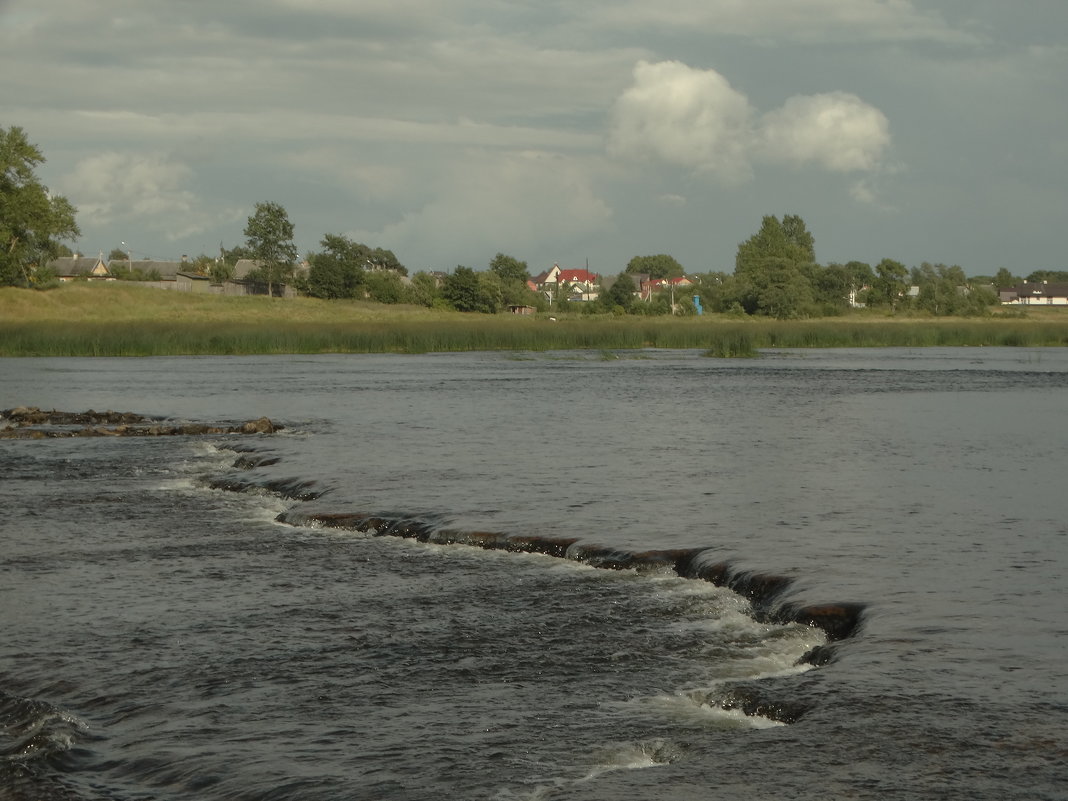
(620, 295)
(788, 240)
(1053, 276)
(460, 289)
(1004, 278)
(269, 236)
(799, 238)
(32, 222)
(379, 259)
(836, 285)
(776, 269)
(510, 270)
(118, 254)
(888, 286)
(468, 291)
(384, 286)
(424, 289)
(337, 272)
(659, 266)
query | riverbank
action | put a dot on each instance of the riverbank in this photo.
(127, 320)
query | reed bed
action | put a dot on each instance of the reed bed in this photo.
(719, 338)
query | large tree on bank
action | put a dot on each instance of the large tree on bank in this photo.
(772, 268)
(32, 222)
(269, 239)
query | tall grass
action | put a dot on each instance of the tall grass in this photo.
(470, 333)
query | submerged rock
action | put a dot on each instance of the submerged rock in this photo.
(29, 422)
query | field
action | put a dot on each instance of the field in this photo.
(110, 319)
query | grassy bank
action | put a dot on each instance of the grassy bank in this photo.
(110, 320)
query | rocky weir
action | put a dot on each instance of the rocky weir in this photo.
(838, 620)
(30, 422)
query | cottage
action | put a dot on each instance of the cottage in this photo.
(73, 268)
(571, 285)
(1035, 294)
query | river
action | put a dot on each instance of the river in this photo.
(218, 618)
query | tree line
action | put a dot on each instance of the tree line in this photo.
(775, 273)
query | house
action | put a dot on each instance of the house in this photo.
(648, 286)
(1034, 294)
(545, 282)
(521, 309)
(571, 285)
(73, 268)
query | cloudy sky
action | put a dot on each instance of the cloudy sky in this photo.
(450, 130)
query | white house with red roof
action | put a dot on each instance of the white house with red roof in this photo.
(572, 285)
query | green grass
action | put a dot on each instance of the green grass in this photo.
(116, 320)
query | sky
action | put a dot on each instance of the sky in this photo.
(579, 132)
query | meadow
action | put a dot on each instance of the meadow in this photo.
(111, 319)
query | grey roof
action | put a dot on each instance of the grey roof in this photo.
(74, 265)
(168, 270)
(244, 267)
(1036, 290)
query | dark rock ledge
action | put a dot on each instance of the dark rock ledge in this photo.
(29, 422)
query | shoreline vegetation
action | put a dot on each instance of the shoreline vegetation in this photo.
(110, 319)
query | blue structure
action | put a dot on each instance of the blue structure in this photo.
(697, 304)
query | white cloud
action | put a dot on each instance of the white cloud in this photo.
(693, 118)
(836, 130)
(143, 191)
(683, 116)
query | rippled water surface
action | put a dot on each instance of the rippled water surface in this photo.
(166, 639)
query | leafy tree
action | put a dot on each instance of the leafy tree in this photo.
(338, 271)
(799, 237)
(202, 264)
(782, 290)
(460, 289)
(659, 266)
(1053, 276)
(1004, 278)
(220, 270)
(490, 295)
(32, 222)
(889, 285)
(835, 284)
(775, 269)
(469, 291)
(384, 286)
(946, 291)
(510, 270)
(424, 289)
(788, 240)
(619, 297)
(379, 259)
(118, 254)
(269, 236)
(513, 276)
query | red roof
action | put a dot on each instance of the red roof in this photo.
(578, 275)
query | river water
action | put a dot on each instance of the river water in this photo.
(219, 618)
